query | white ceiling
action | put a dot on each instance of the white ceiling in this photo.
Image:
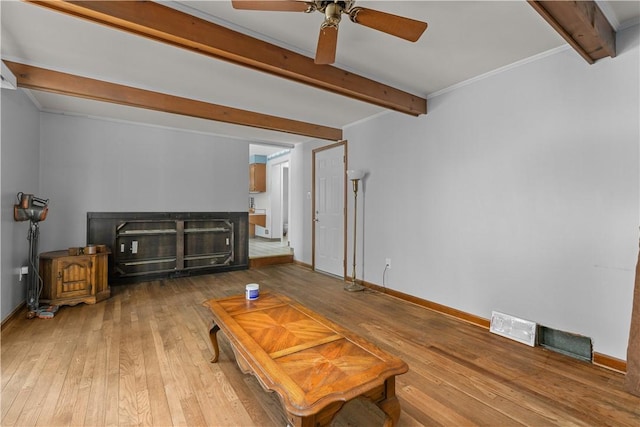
(465, 39)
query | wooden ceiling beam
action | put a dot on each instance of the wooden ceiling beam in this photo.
(582, 24)
(30, 77)
(171, 26)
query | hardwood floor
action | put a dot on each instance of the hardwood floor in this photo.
(142, 358)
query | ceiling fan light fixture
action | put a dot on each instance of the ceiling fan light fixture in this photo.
(329, 23)
(321, 5)
(333, 13)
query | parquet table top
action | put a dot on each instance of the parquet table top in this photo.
(309, 361)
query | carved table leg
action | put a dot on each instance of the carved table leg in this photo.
(214, 341)
(297, 421)
(390, 405)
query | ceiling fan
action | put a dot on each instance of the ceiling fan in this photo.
(405, 28)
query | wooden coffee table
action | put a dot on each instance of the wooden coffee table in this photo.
(314, 365)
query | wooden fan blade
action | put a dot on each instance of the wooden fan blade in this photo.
(327, 45)
(399, 26)
(271, 5)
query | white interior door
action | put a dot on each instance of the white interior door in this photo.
(329, 218)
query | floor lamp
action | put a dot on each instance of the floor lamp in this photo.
(34, 210)
(355, 176)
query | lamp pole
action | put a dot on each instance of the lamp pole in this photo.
(355, 178)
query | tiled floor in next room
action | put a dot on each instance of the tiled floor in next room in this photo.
(259, 247)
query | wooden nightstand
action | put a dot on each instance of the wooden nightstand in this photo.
(72, 279)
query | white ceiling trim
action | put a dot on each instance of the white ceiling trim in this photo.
(608, 13)
(373, 117)
(500, 70)
(171, 128)
(628, 24)
(33, 99)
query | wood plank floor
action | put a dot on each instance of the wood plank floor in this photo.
(142, 358)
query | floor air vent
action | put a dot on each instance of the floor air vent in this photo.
(572, 345)
(508, 326)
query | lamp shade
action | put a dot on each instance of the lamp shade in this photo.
(355, 174)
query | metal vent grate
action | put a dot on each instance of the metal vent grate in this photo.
(508, 326)
(573, 345)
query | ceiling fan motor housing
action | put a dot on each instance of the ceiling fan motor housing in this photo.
(337, 6)
(333, 14)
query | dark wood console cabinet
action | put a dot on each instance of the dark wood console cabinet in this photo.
(153, 244)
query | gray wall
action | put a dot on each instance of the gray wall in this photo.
(89, 165)
(301, 187)
(20, 173)
(517, 193)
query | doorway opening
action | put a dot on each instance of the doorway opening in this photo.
(269, 210)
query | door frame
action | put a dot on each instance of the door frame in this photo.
(283, 184)
(344, 204)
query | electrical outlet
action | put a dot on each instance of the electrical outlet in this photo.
(387, 262)
(22, 271)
